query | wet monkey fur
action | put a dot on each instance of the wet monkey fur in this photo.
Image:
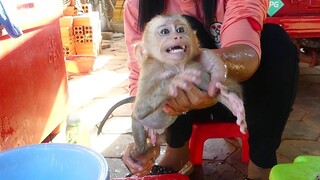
(202, 36)
(166, 57)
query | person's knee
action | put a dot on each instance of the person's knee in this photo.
(272, 29)
(277, 45)
(275, 35)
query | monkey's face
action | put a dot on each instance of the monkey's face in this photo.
(172, 40)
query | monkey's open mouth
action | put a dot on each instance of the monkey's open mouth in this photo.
(176, 49)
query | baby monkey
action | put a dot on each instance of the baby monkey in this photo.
(167, 56)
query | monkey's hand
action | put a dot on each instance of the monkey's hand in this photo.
(232, 101)
(213, 64)
(183, 81)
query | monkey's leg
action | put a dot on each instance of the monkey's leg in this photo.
(158, 119)
(232, 101)
(140, 138)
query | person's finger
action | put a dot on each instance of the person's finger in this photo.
(147, 169)
(183, 101)
(180, 103)
(194, 95)
(146, 164)
(176, 106)
(148, 160)
(200, 99)
(169, 110)
(173, 104)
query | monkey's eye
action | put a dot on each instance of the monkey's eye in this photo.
(180, 30)
(164, 31)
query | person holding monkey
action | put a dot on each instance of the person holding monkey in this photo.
(260, 56)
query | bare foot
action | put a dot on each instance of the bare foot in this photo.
(175, 158)
(257, 173)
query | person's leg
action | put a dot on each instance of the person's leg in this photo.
(177, 150)
(175, 158)
(269, 95)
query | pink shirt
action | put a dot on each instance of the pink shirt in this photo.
(242, 21)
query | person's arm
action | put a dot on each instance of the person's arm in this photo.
(240, 37)
(132, 35)
(241, 61)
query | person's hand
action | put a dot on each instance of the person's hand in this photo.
(213, 64)
(142, 165)
(194, 98)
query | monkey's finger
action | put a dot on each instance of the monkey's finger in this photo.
(190, 76)
(212, 88)
(184, 81)
(181, 83)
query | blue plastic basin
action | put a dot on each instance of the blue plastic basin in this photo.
(52, 161)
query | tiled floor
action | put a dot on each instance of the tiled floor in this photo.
(91, 95)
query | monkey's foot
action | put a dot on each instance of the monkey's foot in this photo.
(235, 105)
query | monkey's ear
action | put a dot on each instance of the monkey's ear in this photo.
(139, 52)
(196, 38)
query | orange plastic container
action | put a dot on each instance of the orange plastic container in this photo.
(79, 63)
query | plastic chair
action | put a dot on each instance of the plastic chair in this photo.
(203, 131)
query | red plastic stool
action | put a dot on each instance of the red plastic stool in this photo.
(203, 131)
(175, 176)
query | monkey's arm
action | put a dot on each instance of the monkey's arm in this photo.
(149, 97)
(153, 91)
(231, 96)
(140, 139)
